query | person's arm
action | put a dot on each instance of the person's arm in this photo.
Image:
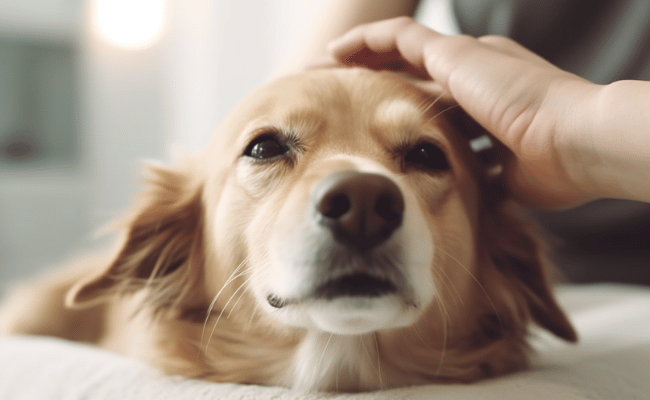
(336, 18)
(617, 164)
(572, 140)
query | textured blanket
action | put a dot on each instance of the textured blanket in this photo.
(612, 361)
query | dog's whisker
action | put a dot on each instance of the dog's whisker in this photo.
(419, 335)
(320, 360)
(336, 378)
(246, 289)
(440, 113)
(249, 324)
(234, 275)
(365, 349)
(443, 307)
(441, 276)
(214, 327)
(487, 296)
(263, 274)
(444, 345)
(425, 104)
(230, 279)
(381, 380)
(432, 103)
(446, 317)
(212, 304)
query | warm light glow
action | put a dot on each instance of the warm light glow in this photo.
(133, 24)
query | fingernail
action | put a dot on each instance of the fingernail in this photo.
(324, 62)
(335, 44)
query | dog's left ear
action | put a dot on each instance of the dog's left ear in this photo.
(506, 239)
(519, 257)
(161, 248)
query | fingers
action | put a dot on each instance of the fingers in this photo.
(326, 61)
(391, 44)
(378, 37)
(405, 45)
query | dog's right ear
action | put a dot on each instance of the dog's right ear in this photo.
(162, 245)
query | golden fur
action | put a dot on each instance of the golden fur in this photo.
(182, 288)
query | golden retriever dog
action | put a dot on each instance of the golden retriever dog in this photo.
(338, 234)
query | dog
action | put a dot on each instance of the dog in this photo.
(338, 233)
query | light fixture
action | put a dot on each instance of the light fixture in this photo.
(131, 24)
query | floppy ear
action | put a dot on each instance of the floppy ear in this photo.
(519, 257)
(161, 248)
(505, 238)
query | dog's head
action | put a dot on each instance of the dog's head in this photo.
(331, 207)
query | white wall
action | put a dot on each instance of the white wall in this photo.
(54, 19)
(221, 50)
(43, 210)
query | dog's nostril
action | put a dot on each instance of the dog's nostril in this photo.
(387, 208)
(336, 207)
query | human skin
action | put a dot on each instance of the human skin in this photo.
(334, 18)
(571, 140)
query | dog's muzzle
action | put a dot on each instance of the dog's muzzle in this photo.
(360, 211)
(355, 265)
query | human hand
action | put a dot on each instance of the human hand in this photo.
(534, 108)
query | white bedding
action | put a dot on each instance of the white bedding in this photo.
(612, 361)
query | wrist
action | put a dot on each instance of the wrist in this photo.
(609, 150)
(564, 124)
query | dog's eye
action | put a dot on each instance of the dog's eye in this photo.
(265, 147)
(429, 156)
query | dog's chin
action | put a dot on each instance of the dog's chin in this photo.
(347, 314)
(360, 315)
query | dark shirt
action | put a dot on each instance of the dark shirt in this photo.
(602, 41)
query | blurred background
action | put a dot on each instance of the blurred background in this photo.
(91, 88)
(88, 89)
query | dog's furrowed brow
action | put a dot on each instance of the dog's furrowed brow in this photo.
(400, 123)
(305, 121)
(297, 123)
(399, 112)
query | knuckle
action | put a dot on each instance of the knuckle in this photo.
(458, 45)
(403, 20)
(464, 40)
(496, 40)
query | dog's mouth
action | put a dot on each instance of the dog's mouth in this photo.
(351, 295)
(353, 303)
(351, 285)
(355, 285)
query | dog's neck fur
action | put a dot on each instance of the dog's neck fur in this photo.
(314, 360)
(375, 361)
(325, 361)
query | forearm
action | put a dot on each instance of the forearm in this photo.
(614, 154)
(337, 17)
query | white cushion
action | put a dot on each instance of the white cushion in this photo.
(612, 361)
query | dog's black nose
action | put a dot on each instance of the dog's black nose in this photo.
(361, 209)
